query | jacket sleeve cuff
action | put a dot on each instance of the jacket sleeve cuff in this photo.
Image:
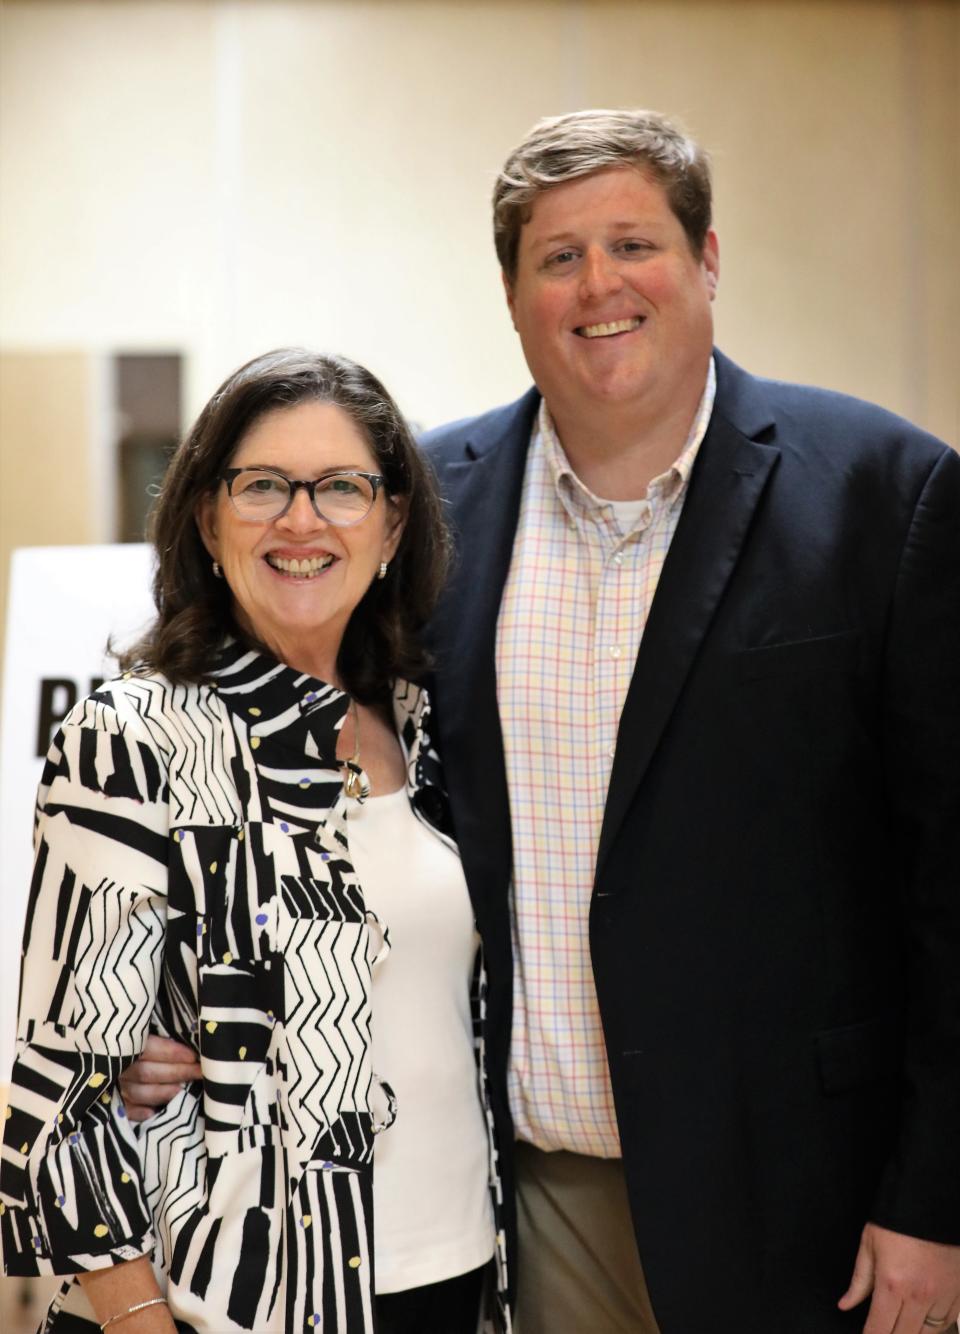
(75, 1202)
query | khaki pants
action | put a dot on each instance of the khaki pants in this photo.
(579, 1272)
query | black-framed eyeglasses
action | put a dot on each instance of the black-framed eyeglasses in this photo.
(261, 495)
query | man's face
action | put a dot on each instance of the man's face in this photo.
(611, 305)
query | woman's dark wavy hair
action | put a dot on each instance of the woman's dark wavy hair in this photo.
(194, 612)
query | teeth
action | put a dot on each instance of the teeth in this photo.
(306, 568)
(617, 326)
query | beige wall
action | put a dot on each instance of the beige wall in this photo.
(49, 457)
(224, 177)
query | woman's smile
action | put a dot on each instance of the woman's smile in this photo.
(300, 565)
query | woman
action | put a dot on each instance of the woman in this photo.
(227, 837)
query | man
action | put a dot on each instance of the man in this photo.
(696, 689)
(697, 692)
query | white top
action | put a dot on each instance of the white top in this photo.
(433, 1218)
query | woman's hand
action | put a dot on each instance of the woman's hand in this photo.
(163, 1068)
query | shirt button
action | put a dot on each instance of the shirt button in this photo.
(615, 651)
(618, 558)
(611, 751)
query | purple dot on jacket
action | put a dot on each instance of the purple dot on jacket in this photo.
(261, 919)
(121, 1111)
(61, 1199)
(199, 928)
(74, 1138)
(324, 856)
(284, 826)
(310, 696)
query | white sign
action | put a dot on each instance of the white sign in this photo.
(65, 602)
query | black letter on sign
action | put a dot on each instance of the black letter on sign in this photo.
(57, 698)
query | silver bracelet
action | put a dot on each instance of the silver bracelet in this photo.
(132, 1310)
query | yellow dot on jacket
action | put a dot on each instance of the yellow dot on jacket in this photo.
(354, 1262)
(101, 1230)
(211, 1025)
(96, 1080)
(254, 742)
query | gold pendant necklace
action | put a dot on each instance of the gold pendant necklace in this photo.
(352, 773)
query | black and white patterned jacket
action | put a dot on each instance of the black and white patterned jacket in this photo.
(193, 879)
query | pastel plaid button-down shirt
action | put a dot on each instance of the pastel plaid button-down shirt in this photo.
(581, 581)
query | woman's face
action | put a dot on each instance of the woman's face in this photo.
(300, 617)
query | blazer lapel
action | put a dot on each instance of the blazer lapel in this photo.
(482, 489)
(728, 480)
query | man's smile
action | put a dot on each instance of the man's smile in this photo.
(610, 328)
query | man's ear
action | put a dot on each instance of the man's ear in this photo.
(205, 517)
(711, 262)
(511, 302)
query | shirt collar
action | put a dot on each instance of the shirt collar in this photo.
(285, 709)
(670, 485)
(278, 704)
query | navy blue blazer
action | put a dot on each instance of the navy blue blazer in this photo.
(775, 919)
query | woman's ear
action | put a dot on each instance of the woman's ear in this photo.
(205, 517)
(397, 510)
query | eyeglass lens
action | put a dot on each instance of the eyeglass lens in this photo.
(342, 498)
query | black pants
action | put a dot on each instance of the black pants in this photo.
(449, 1307)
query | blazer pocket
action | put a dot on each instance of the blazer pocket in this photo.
(858, 1054)
(799, 657)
